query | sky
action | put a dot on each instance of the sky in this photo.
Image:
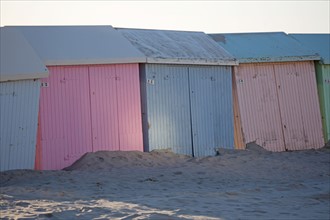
(217, 16)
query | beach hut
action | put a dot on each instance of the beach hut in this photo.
(320, 43)
(186, 91)
(20, 73)
(91, 100)
(276, 90)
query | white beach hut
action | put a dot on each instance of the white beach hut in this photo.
(20, 71)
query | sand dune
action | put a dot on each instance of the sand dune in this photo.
(250, 184)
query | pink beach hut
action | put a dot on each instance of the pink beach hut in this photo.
(276, 90)
(91, 100)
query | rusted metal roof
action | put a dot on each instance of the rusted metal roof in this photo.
(178, 47)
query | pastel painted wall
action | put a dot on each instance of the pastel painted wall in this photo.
(323, 84)
(18, 128)
(187, 108)
(279, 106)
(87, 109)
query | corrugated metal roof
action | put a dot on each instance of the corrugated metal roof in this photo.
(18, 59)
(264, 47)
(319, 43)
(71, 45)
(178, 47)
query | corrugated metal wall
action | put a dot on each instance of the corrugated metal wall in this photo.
(18, 128)
(279, 105)
(129, 107)
(299, 105)
(89, 108)
(261, 121)
(323, 84)
(37, 164)
(65, 116)
(116, 107)
(239, 141)
(188, 108)
(211, 109)
(104, 107)
(168, 108)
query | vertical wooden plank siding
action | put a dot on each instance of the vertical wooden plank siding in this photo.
(258, 104)
(299, 105)
(129, 107)
(239, 141)
(104, 110)
(65, 116)
(18, 128)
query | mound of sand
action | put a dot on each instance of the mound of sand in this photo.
(236, 184)
(106, 160)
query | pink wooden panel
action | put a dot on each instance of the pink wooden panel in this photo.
(129, 107)
(298, 100)
(65, 116)
(258, 106)
(104, 107)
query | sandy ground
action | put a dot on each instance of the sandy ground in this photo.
(250, 184)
